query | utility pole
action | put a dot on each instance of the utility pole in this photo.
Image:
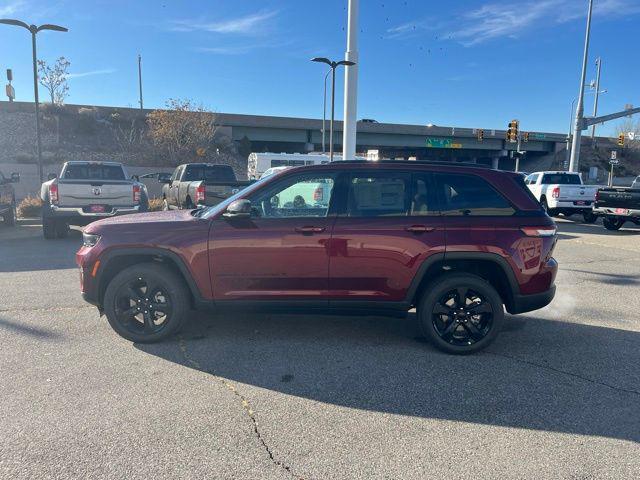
(351, 85)
(574, 162)
(140, 80)
(595, 102)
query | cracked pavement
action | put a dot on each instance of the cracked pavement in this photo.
(321, 397)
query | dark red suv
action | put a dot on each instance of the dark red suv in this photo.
(459, 243)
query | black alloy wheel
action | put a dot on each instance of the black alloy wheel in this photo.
(146, 302)
(461, 313)
(612, 223)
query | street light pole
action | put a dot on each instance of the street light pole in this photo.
(34, 29)
(333, 66)
(351, 83)
(140, 80)
(324, 112)
(595, 102)
(574, 162)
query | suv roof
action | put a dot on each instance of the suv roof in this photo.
(417, 162)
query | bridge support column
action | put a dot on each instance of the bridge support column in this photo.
(495, 163)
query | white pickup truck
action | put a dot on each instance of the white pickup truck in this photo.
(88, 191)
(563, 193)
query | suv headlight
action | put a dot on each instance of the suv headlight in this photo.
(89, 240)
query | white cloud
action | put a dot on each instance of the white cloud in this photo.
(91, 73)
(252, 24)
(9, 8)
(512, 18)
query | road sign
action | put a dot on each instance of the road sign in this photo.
(442, 143)
(614, 161)
(631, 135)
(614, 155)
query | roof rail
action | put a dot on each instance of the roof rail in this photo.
(426, 162)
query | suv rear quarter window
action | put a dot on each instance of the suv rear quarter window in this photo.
(470, 195)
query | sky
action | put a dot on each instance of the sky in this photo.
(465, 63)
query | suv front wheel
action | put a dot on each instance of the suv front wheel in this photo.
(146, 303)
(461, 313)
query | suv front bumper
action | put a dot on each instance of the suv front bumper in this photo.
(528, 303)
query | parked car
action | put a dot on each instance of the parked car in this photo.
(563, 193)
(459, 243)
(8, 198)
(87, 191)
(198, 184)
(618, 205)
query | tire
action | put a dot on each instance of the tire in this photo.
(165, 205)
(545, 207)
(612, 223)
(61, 229)
(10, 217)
(130, 285)
(49, 228)
(589, 217)
(455, 330)
(144, 203)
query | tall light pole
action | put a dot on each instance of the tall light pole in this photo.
(333, 66)
(351, 84)
(571, 112)
(140, 80)
(595, 101)
(574, 161)
(324, 112)
(33, 29)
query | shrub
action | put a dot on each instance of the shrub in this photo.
(30, 206)
(155, 204)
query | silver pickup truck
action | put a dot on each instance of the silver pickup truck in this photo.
(88, 191)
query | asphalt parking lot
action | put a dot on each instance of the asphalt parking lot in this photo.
(321, 397)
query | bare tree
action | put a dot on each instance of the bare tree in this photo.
(128, 132)
(54, 79)
(629, 125)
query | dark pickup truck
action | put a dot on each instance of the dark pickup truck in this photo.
(618, 205)
(8, 198)
(198, 184)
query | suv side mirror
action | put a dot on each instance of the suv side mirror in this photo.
(238, 209)
(164, 177)
(51, 176)
(15, 177)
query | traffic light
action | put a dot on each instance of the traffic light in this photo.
(526, 136)
(512, 132)
(480, 133)
(621, 140)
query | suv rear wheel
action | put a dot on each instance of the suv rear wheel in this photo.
(461, 313)
(10, 216)
(146, 303)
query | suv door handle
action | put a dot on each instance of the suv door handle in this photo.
(310, 229)
(419, 229)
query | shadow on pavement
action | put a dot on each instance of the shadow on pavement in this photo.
(38, 333)
(540, 374)
(33, 252)
(610, 278)
(566, 226)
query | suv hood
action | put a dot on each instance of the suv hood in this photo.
(162, 219)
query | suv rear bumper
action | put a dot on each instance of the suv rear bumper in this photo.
(528, 303)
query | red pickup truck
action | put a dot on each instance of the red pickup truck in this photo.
(459, 243)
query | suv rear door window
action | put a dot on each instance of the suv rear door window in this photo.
(93, 171)
(470, 195)
(378, 195)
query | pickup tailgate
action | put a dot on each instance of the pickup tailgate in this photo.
(619, 197)
(579, 194)
(81, 193)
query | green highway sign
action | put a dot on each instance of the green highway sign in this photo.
(442, 143)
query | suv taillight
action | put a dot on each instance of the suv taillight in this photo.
(200, 193)
(555, 193)
(318, 194)
(539, 231)
(53, 193)
(136, 194)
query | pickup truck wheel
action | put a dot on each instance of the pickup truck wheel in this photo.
(146, 303)
(10, 216)
(165, 205)
(461, 314)
(589, 217)
(545, 207)
(49, 228)
(62, 229)
(612, 223)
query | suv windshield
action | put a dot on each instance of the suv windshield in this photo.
(94, 171)
(561, 179)
(209, 173)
